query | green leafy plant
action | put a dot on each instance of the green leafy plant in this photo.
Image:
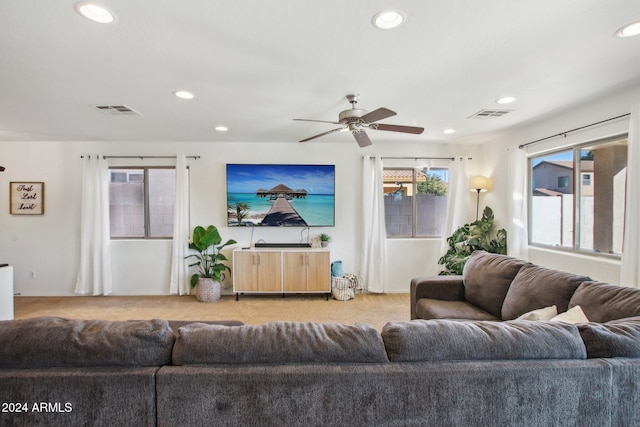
(478, 235)
(208, 259)
(324, 237)
(433, 184)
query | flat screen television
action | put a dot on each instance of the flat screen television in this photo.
(280, 195)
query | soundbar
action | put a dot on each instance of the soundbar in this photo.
(281, 245)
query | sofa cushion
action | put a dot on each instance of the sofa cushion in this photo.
(57, 342)
(177, 324)
(432, 340)
(278, 343)
(602, 302)
(487, 278)
(427, 308)
(619, 338)
(535, 287)
(546, 313)
(573, 315)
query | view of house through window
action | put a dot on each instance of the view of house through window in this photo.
(141, 202)
(578, 197)
(415, 201)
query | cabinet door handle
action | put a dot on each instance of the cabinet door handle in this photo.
(258, 259)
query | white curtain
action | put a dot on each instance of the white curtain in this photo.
(457, 198)
(179, 274)
(630, 266)
(373, 260)
(517, 233)
(94, 273)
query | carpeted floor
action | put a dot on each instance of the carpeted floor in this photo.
(374, 309)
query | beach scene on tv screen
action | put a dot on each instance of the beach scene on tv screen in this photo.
(280, 195)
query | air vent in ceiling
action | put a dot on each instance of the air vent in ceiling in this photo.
(486, 114)
(116, 110)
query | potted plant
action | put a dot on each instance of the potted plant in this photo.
(324, 239)
(478, 235)
(207, 242)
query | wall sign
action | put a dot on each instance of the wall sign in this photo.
(27, 198)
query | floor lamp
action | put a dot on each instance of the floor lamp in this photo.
(479, 184)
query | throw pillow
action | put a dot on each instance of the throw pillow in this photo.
(546, 313)
(573, 315)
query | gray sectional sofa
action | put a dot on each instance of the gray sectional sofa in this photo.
(498, 287)
(56, 371)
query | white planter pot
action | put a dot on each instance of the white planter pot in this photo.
(208, 290)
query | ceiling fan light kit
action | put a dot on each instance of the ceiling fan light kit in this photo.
(357, 121)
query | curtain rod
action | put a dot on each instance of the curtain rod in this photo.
(573, 130)
(415, 158)
(144, 157)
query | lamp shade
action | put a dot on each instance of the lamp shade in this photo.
(479, 183)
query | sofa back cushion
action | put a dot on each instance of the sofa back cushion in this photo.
(278, 343)
(177, 324)
(487, 278)
(433, 340)
(602, 302)
(44, 342)
(618, 338)
(536, 287)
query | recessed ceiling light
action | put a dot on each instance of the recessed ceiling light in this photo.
(183, 94)
(449, 131)
(506, 100)
(388, 19)
(95, 13)
(221, 128)
(629, 30)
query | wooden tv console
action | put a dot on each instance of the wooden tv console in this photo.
(281, 270)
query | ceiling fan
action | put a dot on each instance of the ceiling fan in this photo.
(357, 121)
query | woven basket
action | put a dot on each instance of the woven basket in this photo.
(208, 290)
(342, 289)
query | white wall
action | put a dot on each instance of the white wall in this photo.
(595, 110)
(49, 245)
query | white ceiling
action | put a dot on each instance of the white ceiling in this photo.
(254, 65)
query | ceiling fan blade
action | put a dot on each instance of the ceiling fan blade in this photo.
(319, 121)
(321, 134)
(379, 114)
(397, 128)
(362, 138)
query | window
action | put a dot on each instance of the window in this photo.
(141, 202)
(415, 201)
(577, 197)
(563, 181)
